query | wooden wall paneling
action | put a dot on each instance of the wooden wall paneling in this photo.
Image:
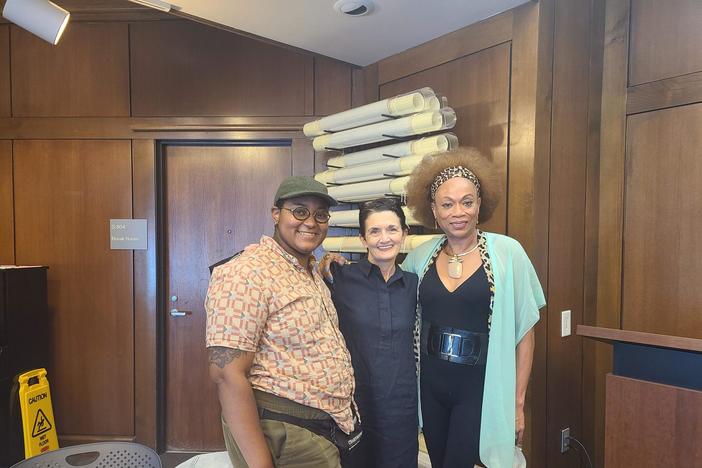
(569, 137)
(651, 424)
(85, 75)
(66, 193)
(145, 296)
(527, 197)
(184, 68)
(304, 158)
(332, 86)
(5, 102)
(665, 39)
(364, 85)
(7, 215)
(477, 87)
(662, 224)
(149, 127)
(686, 89)
(610, 199)
(592, 432)
(466, 41)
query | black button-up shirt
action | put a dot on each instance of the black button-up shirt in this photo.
(377, 320)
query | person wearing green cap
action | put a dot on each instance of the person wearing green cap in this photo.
(283, 372)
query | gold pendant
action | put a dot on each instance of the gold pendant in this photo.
(455, 268)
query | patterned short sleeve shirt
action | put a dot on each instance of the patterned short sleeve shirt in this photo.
(264, 301)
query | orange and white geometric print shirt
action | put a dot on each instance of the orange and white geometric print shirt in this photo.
(264, 301)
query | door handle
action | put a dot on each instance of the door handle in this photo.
(179, 313)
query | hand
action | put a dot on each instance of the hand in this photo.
(324, 266)
(519, 426)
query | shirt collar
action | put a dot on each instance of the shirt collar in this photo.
(278, 249)
(366, 267)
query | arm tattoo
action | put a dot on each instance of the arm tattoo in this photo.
(221, 356)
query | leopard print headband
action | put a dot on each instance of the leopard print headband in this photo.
(451, 172)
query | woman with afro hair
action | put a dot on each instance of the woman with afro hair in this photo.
(478, 300)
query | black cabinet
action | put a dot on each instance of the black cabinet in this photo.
(24, 342)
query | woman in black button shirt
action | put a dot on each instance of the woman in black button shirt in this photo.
(376, 302)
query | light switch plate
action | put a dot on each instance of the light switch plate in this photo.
(565, 323)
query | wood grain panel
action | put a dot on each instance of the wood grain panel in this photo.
(86, 74)
(183, 68)
(569, 136)
(610, 198)
(661, 292)
(466, 41)
(364, 85)
(5, 106)
(477, 87)
(527, 196)
(593, 383)
(66, 193)
(303, 157)
(665, 39)
(671, 92)
(650, 425)
(145, 298)
(332, 86)
(7, 215)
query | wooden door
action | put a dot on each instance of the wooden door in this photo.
(218, 200)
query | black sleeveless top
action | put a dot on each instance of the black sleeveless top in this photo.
(467, 308)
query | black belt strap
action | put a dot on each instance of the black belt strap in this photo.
(454, 345)
(326, 428)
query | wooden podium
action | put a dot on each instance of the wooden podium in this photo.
(653, 408)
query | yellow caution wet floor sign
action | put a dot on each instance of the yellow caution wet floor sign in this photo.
(37, 416)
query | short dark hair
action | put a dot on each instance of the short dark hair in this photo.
(378, 205)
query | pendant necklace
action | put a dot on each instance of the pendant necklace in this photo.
(455, 263)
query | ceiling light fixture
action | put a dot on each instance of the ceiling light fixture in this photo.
(157, 4)
(354, 7)
(40, 17)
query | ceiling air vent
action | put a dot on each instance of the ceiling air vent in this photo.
(353, 7)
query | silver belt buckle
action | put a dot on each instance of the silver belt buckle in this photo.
(450, 338)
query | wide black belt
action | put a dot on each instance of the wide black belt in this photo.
(454, 345)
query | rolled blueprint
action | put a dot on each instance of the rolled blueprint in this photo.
(372, 171)
(369, 190)
(349, 218)
(422, 146)
(424, 122)
(353, 244)
(404, 104)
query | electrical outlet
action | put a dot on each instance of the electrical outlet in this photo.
(565, 323)
(565, 439)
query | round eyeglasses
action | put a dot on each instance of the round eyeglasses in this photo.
(301, 214)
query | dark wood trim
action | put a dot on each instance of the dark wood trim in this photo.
(592, 397)
(609, 335)
(612, 159)
(466, 41)
(7, 205)
(150, 128)
(527, 202)
(610, 200)
(145, 301)
(671, 92)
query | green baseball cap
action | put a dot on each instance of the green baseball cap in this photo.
(301, 186)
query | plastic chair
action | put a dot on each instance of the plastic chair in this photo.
(100, 454)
